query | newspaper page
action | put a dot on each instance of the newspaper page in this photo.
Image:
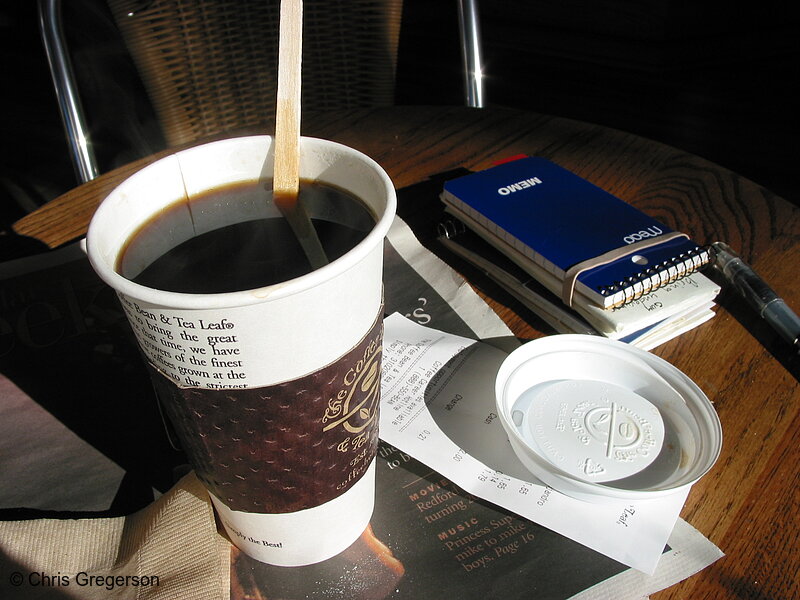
(428, 533)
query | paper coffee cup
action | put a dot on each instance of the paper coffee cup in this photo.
(274, 391)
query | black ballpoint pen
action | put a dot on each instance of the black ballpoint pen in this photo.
(757, 293)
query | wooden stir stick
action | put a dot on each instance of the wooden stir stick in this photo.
(286, 177)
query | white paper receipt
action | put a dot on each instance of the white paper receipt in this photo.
(437, 405)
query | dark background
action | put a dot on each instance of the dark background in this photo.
(711, 78)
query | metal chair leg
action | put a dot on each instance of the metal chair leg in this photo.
(69, 103)
(471, 51)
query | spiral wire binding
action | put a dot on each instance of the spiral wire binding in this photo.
(674, 268)
(450, 228)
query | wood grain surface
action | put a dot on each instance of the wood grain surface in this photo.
(749, 503)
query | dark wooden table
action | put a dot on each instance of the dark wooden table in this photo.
(749, 503)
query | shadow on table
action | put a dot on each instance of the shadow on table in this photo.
(758, 328)
(65, 343)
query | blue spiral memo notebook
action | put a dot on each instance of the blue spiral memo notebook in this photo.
(558, 220)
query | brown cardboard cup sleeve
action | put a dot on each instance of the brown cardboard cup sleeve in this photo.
(290, 466)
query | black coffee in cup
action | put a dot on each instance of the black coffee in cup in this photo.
(242, 255)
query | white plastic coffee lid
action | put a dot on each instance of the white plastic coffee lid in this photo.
(603, 421)
(596, 431)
